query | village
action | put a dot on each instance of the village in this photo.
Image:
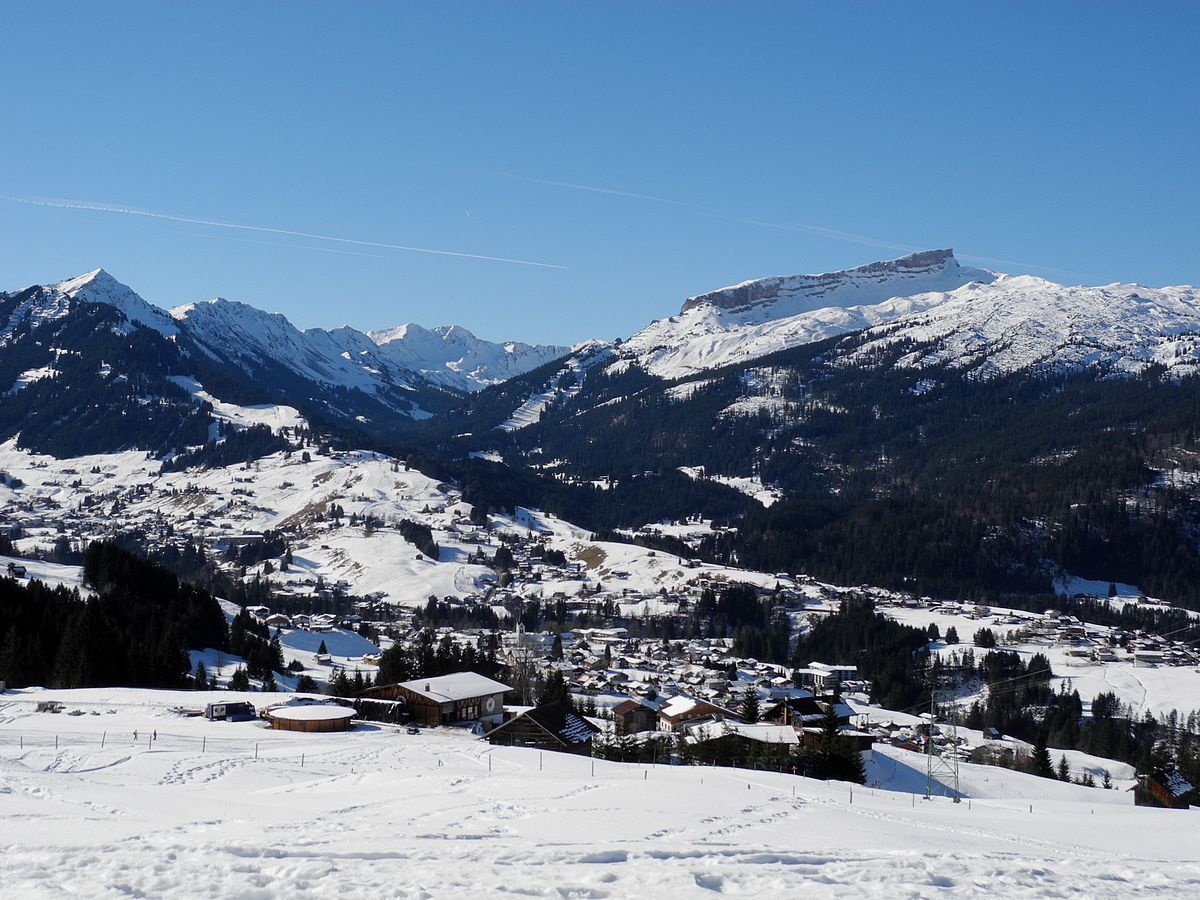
(351, 554)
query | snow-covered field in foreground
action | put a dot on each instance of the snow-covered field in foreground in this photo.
(381, 813)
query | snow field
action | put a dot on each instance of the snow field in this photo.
(379, 812)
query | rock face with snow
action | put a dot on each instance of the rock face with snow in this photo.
(968, 317)
(758, 317)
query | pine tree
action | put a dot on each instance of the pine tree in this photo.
(556, 651)
(951, 635)
(1040, 763)
(323, 649)
(749, 710)
(239, 680)
(1064, 769)
(200, 679)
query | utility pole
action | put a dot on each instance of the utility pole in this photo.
(944, 763)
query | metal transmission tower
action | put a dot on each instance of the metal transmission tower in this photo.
(944, 762)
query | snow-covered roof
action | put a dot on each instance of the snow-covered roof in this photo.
(311, 712)
(459, 686)
(768, 734)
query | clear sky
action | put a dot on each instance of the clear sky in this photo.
(716, 143)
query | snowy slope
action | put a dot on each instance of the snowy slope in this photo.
(221, 809)
(1018, 322)
(584, 357)
(452, 356)
(765, 315)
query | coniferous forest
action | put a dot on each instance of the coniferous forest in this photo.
(134, 632)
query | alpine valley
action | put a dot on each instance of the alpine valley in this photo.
(817, 541)
(915, 423)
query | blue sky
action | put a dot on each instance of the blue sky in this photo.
(1058, 138)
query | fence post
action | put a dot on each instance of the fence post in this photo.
(256, 751)
(103, 735)
(203, 743)
(56, 742)
(302, 760)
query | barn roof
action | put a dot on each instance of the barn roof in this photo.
(558, 719)
(451, 688)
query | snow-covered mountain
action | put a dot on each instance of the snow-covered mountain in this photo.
(758, 317)
(241, 335)
(963, 316)
(452, 356)
(1021, 322)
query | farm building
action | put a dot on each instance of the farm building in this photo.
(461, 697)
(312, 717)
(551, 726)
(633, 716)
(736, 743)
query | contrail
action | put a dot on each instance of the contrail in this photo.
(109, 208)
(831, 233)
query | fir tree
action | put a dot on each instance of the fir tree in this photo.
(749, 710)
(1040, 763)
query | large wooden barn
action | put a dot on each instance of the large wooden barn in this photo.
(461, 697)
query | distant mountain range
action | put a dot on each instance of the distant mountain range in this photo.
(913, 418)
(404, 356)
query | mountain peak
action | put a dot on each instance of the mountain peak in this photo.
(97, 280)
(97, 286)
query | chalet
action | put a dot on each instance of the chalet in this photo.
(805, 710)
(16, 570)
(461, 697)
(1167, 789)
(278, 620)
(678, 712)
(551, 726)
(633, 716)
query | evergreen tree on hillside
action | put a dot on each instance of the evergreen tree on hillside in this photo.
(1040, 763)
(749, 709)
